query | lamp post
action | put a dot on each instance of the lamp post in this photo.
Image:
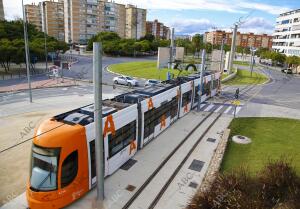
(27, 52)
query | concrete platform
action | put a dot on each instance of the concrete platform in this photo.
(148, 159)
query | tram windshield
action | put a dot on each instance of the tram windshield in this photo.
(44, 162)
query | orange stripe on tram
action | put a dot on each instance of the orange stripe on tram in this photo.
(109, 126)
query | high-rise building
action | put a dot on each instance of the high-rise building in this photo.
(47, 16)
(1, 10)
(286, 38)
(53, 18)
(86, 18)
(33, 15)
(242, 39)
(135, 22)
(82, 19)
(114, 18)
(157, 29)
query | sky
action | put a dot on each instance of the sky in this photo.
(197, 16)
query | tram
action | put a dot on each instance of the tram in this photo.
(63, 165)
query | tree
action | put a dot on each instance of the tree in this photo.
(293, 61)
(148, 37)
(197, 41)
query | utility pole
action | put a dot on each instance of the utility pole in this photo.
(27, 51)
(45, 36)
(232, 50)
(97, 70)
(252, 49)
(201, 79)
(171, 49)
(221, 58)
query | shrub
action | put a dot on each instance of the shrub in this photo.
(276, 186)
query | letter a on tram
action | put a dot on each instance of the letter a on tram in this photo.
(109, 126)
(150, 104)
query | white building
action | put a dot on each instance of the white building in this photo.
(286, 38)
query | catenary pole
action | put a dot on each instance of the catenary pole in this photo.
(201, 79)
(97, 70)
(232, 50)
(27, 51)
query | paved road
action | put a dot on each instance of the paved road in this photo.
(84, 67)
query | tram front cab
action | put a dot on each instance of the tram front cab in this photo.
(59, 169)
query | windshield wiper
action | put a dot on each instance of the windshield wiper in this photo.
(45, 179)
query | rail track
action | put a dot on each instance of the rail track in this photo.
(166, 160)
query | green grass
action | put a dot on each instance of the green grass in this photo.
(146, 70)
(243, 77)
(272, 138)
(244, 63)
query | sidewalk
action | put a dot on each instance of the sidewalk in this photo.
(47, 83)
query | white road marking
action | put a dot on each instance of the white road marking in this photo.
(202, 105)
(219, 108)
(237, 110)
(228, 109)
(209, 108)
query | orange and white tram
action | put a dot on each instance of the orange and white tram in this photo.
(63, 151)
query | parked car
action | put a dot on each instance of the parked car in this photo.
(287, 70)
(125, 80)
(152, 82)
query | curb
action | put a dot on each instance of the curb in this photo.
(231, 76)
(46, 87)
(215, 163)
(108, 70)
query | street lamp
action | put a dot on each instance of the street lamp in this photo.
(45, 35)
(26, 51)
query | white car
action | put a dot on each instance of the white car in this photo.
(152, 82)
(125, 80)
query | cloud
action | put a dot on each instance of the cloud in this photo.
(191, 26)
(258, 25)
(14, 8)
(233, 6)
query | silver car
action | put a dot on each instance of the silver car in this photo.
(125, 80)
(152, 82)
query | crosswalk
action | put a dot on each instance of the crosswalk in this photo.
(220, 108)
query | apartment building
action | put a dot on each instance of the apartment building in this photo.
(52, 14)
(82, 19)
(114, 18)
(242, 39)
(158, 29)
(2, 17)
(286, 37)
(34, 15)
(135, 22)
(47, 16)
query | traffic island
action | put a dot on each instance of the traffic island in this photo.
(144, 69)
(243, 77)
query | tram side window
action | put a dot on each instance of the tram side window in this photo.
(196, 92)
(174, 107)
(215, 83)
(149, 122)
(186, 98)
(122, 138)
(206, 89)
(69, 169)
(92, 158)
